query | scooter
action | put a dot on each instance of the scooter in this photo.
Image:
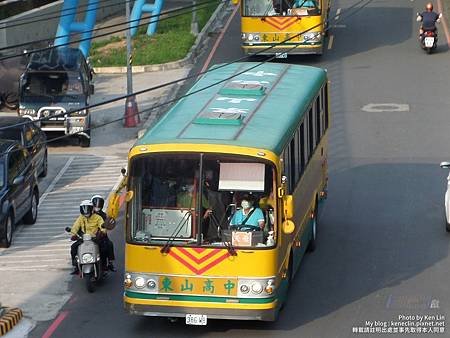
(429, 38)
(428, 41)
(89, 261)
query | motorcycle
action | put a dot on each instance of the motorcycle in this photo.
(89, 261)
(428, 40)
(446, 165)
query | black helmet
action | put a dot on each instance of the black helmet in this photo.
(98, 201)
(86, 208)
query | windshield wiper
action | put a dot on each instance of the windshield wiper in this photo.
(229, 245)
(166, 248)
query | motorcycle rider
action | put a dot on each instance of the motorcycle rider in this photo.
(88, 223)
(428, 19)
(98, 202)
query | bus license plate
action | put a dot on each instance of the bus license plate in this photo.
(281, 55)
(429, 42)
(196, 319)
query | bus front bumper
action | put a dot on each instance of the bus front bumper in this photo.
(303, 50)
(267, 313)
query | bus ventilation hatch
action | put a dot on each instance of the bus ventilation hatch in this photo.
(245, 88)
(220, 117)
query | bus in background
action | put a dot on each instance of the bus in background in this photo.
(223, 195)
(266, 23)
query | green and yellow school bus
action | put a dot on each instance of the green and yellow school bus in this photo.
(266, 23)
(259, 135)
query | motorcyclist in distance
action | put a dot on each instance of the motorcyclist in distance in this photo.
(98, 203)
(428, 19)
(87, 223)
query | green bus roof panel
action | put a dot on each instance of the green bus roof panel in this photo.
(243, 88)
(221, 117)
(264, 122)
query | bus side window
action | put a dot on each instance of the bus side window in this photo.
(310, 133)
(326, 111)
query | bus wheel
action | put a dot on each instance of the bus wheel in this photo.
(312, 242)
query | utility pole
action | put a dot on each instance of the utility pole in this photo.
(131, 109)
(194, 23)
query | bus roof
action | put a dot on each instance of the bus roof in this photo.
(259, 108)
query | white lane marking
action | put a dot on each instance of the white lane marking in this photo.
(37, 268)
(62, 259)
(330, 42)
(63, 249)
(56, 179)
(339, 26)
(338, 12)
(39, 246)
(382, 107)
(29, 256)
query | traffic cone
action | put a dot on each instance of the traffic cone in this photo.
(131, 112)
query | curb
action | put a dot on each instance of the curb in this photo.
(444, 22)
(193, 53)
(9, 318)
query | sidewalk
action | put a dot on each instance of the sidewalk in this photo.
(109, 137)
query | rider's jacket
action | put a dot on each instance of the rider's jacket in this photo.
(88, 225)
(429, 20)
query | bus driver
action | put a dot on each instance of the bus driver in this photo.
(249, 217)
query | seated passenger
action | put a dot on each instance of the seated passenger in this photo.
(248, 218)
(305, 3)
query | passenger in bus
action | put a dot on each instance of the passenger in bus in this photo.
(248, 217)
(185, 198)
(305, 4)
(267, 205)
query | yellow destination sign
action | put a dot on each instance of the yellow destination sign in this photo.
(198, 286)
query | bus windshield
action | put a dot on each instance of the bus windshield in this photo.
(193, 199)
(280, 7)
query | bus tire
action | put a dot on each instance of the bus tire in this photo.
(312, 242)
(447, 226)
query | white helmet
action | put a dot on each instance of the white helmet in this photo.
(98, 201)
(86, 208)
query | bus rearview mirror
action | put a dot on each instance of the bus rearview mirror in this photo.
(288, 204)
(288, 227)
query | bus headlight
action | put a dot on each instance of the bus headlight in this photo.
(151, 284)
(311, 37)
(128, 283)
(139, 282)
(244, 36)
(257, 288)
(244, 288)
(269, 287)
(252, 37)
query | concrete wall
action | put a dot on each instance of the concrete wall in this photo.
(45, 29)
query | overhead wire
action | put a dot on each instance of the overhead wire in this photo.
(103, 28)
(27, 21)
(342, 17)
(194, 7)
(139, 92)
